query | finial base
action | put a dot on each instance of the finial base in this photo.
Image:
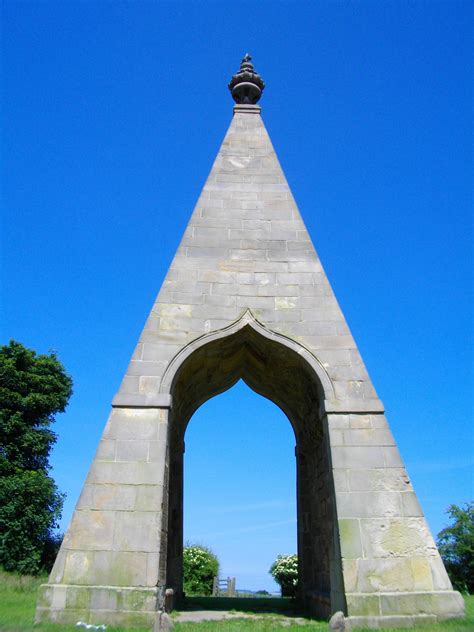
(246, 108)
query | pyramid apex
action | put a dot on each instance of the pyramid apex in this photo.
(246, 86)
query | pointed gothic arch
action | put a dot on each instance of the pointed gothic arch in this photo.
(287, 374)
(247, 319)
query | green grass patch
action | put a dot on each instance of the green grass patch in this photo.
(251, 625)
(18, 603)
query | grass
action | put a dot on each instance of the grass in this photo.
(18, 601)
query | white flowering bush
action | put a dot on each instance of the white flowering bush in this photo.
(284, 571)
(200, 566)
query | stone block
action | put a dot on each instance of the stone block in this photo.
(331, 357)
(91, 530)
(206, 253)
(447, 605)
(160, 352)
(58, 596)
(130, 383)
(157, 451)
(114, 497)
(392, 457)
(368, 436)
(77, 569)
(368, 504)
(300, 278)
(86, 499)
(362, 605)
(104, 598)
(149, 498)
(78, 597)
(361, 421)
(57, 571)
(382, 479)
(349, 571)
(289, 292)
(132, 424)
(338, 421)
(397, 537)
(106, 450)
(379, 421)
(421, 603)
(337, 437)
(411, 506)
(247, 255)
(119, 568)
(220, 300)
(139, 599)
(132, 450)
(299, 245)
(171, 309)
(313, 265)
(125, 473)
(340, 481)
(149, 385)
(256, 302)
(357, 457)
(390, 574)
(152, 569)
(137, 531)
(350, 538)
(439, 575)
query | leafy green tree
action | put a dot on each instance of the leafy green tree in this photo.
(200, 566)
(456, 546)
(284, 571)
(33, 389)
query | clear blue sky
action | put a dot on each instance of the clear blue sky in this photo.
(113, 113)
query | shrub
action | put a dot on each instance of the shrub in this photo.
(33, 389)
(200, 566)
(456, 546)
(284, 571)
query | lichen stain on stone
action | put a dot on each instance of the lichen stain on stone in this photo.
(422, 574)
(285, 302)
(405, 538)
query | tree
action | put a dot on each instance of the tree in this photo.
(284, 571)
(200, 566)
(33, 389)
(456, 546)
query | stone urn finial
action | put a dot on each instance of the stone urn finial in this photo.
(246, 86)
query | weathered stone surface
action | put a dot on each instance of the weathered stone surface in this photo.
(397, 537)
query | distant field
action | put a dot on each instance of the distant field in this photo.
(18, 600)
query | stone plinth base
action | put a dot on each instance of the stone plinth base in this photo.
(402, 610)
(113, 605)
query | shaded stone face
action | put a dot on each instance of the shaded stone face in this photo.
(246, 297)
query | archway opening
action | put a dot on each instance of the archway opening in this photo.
(283, 375)
(240, 485)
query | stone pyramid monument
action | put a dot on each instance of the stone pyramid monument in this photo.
(246, 297)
